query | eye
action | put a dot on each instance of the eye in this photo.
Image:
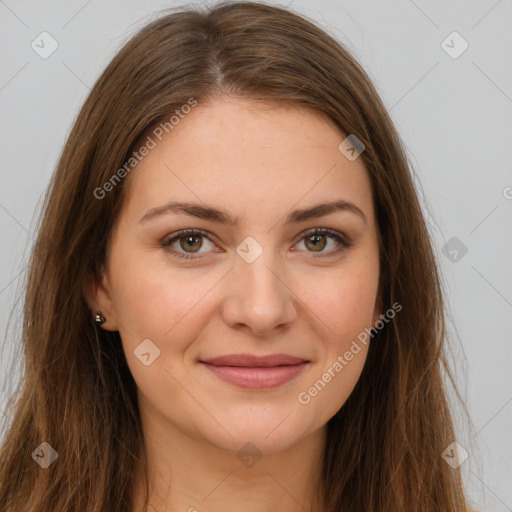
(189, 241)
(316, 240)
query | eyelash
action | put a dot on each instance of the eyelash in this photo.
(343, 241)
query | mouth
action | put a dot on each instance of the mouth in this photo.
(256, 372)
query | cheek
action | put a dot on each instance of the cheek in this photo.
(328, 391)
(343, 313)
(170, 308)
(152, 299)
(344, 302)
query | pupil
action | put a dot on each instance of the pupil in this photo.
(190, 242)
(316, 241)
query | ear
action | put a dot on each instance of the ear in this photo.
(98, 296)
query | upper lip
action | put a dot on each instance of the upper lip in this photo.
(252, 361)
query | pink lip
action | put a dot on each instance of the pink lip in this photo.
(253, 372)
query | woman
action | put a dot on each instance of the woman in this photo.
(233, 302)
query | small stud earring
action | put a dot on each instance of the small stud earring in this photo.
(99, 318)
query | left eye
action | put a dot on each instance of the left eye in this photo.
(191, 241)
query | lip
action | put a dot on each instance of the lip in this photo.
(256, 372)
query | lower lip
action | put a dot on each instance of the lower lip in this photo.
(257, 377)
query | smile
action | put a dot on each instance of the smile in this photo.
(252, 372)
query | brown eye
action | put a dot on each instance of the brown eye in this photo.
(324, 242)
(316, 242)
(187, 244)
(190, 243)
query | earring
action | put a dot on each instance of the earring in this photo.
(99, 318)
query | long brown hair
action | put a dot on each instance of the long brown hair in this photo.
(384, 446)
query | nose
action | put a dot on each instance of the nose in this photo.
(258, 298)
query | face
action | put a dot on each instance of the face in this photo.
(263, 272)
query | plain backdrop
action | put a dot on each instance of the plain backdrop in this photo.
(450, 95)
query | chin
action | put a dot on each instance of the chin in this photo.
(270, 435)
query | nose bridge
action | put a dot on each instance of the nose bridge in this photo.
(254, 259)
(259, 277)
(258, 297)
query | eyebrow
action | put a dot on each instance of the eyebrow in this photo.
(205, 212)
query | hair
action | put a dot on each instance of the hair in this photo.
(383, 448)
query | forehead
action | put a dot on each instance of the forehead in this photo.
(246, 156)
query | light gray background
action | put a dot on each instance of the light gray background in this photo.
(454, 114)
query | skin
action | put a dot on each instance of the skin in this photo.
(258, 164)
